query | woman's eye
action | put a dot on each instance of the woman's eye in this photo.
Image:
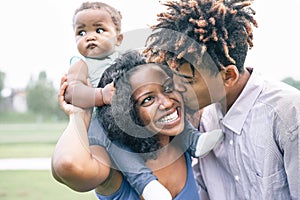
(81, 33)
(146, 101)
(169, 88)
(99, 30)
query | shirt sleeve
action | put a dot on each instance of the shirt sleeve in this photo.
(281, 168)
(189, 138)
(199, 181)
(97, 135)
(291, 160)
(130, 164)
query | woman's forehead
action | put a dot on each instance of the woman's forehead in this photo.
(148, 74)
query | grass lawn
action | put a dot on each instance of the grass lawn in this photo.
(36, 185)
(29, 140)
(33, 140)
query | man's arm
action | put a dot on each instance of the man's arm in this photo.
(291, 152)
(200, 184)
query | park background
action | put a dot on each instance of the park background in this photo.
(36, 45)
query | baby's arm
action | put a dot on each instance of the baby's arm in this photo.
(130, 164)
(200, 144)
(80, 94)
(138, 175)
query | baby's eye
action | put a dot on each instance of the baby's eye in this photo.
(99, 30)
(82, 33)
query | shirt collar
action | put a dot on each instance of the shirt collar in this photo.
(110, 57)
(237, 114)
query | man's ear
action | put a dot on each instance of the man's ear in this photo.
(119, 39)
(230, 75)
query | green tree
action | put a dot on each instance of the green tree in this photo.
(2, 78)
(292, 82)
(41, 96)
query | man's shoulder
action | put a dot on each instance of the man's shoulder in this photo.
(276, 92)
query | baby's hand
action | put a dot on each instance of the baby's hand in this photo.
(69, 109)
(107, 93)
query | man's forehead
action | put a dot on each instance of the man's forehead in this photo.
(185, 70)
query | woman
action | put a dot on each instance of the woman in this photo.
(145, 116)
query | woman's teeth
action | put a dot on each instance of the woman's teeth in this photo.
(169, 118)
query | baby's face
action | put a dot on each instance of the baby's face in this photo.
(158, 105)
(95, 33)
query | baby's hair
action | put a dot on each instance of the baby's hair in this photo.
(198, 29)
(115, 14)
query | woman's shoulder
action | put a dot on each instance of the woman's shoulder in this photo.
(190, 190)
(126, 191)
(120, 190)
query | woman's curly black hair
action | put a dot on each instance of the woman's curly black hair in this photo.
(203, 32)
(120, 119)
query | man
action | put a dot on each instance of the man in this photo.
(206, 43)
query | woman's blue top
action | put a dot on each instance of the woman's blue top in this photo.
(189, 192)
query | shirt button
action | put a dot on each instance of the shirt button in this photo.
(237, 178)
(231, 142)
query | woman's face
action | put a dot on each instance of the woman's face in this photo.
(158, 105)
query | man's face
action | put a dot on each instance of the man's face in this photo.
(199, 88)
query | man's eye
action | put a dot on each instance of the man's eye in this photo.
(81, 33)
(188, 80)
(99, 30)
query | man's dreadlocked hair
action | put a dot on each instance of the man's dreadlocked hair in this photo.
(202, 32)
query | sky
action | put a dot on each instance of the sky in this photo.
(37, 35)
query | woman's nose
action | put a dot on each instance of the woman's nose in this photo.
(165, 102)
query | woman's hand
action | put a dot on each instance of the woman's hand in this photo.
(69, 109)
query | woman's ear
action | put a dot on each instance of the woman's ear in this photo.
(230, 75)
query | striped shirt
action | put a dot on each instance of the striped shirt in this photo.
(259, 157)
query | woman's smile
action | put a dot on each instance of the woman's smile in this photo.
(159, 106)
(169, 119)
